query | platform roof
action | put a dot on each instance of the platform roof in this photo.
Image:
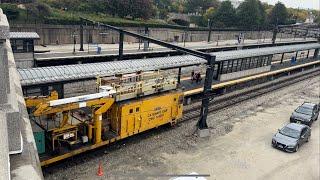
(35, 76)
(24, 35)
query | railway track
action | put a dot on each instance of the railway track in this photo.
(221, 101)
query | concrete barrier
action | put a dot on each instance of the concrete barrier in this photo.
(18, 154)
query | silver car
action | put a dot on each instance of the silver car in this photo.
(291, 137)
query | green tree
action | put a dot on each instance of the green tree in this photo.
(210, 13)
(263, 14)
(250, 14)
(279, 14)
(225, 15)
(317, 20)
(200, 6)
(120, 8)
(163, 7)
(11, 10)
(134, 8)
(141, 9)
(38, 10)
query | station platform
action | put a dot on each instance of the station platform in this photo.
(56, 52)
(189, 86)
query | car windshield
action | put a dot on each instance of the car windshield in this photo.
(290, 132)
(304, 110)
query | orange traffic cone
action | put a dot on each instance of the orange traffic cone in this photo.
(100, 171)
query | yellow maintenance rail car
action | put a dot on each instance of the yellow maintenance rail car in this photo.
(78, 124)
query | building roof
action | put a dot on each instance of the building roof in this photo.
(52, 74)
(24, 35)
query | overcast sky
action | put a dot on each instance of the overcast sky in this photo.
(303, 4)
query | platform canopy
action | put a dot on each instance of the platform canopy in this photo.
(42, 75)
(24, 35)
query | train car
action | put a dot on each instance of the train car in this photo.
(74, 125)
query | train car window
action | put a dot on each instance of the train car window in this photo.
(131, 111)
(137, 109)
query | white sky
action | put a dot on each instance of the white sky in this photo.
(302, 4)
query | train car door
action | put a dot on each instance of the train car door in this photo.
(174, 107)
(130, 121)
(137, 119)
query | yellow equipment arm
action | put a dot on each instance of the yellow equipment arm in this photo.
(45, 109)
(36, 100)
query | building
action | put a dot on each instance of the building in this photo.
(22, 44)
(310, 18)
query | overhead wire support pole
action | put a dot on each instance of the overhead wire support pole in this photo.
(81, 37)
(152, 40)
(121, 39)
(210, 29)
(207, 90)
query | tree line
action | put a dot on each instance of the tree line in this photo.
(251, 14)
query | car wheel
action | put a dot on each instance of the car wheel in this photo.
(297, 148)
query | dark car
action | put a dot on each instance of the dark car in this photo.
(305, 114)
(291, 137)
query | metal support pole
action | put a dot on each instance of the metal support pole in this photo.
(121, 39)
(146, 43)
(308, 53)
(179, 75)
(81, 38)
(274, 36)
(210, 29)
(296, 55)
(202, 123)
(282, 58)
(74, 42)
(316, 53)
(184, 38)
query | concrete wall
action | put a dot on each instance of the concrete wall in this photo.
(24, 60)
(62, 34)
(18, 154)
